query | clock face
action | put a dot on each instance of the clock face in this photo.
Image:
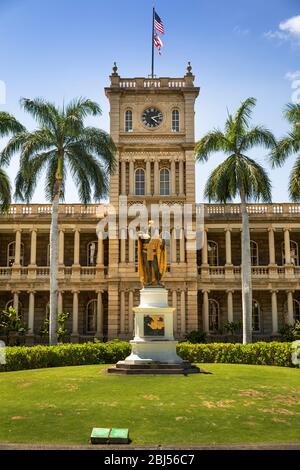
(152, 117)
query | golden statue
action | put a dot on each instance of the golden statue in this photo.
(152, 259)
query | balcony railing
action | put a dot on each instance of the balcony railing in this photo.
(257, 272)
(45, 210)
(257, 210)
(43, 272)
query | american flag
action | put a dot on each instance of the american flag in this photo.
(157, 43)
(158, 24)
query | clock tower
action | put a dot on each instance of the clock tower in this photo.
(152, 125)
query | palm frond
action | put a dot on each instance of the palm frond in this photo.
(258, 136)
(294, 182)
(243, 114)
(9, 124)
(13, 146)
(214, 141)
(292, 113)
(284, 149)
(44, 112)
(5, 191)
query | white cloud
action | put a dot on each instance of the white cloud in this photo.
(289, 30)
(240, 31)
(293, 75)
(291, 26)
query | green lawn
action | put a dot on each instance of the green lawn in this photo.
(236, 404)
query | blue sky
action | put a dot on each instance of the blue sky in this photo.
(60, 49)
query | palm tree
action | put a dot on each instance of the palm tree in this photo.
(288, 146)
(242, 177)
(8, 125)
(61, 144)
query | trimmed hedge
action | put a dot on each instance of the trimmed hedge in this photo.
(267, 354)
(36, 357)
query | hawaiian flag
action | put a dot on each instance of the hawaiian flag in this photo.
(157, 43)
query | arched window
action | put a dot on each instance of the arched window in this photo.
(164, 182)
(294, 253)
(10, 303)
(175, 121)
(212, 253)
(213, 315)
(91, 255)
(256, 316)
(91, 316)
(140, 182)
(254, 253)
(128, 120)
(11, 254)
(296, 305)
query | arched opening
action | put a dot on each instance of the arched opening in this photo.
(164, 182)
(91, 255)
(213, 315)
(91, 316)
(212, 253)
(10, 303)
(11, 254)
(294, 249)
(175, 120)
(256, 316)
(254, 253)
(128, 121)
(140, 182)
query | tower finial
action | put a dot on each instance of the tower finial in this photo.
(115, 69)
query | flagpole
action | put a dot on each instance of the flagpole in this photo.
(152, 66)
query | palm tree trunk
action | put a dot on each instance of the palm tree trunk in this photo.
(246, 275)
(54, 270)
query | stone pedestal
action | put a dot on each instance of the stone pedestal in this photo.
(153, 346)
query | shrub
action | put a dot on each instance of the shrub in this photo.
(272, 354)
(35, 357)
(197, 337)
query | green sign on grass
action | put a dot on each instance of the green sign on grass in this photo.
(109, 436)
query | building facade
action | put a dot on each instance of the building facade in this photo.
(152, 124)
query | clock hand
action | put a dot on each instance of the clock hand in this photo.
(154, 118)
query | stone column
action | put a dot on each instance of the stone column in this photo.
(182, 246)
(205, 311)
(61, 247)
(18, 248)
(130, 313)
(131, 177)
(204, 249)
(182, 314)
(173, 246)
(274, 312)
(271, 246)
(148, 177)
(75, 313)
(174, 305)
(123, 250)
(181, 177)
(99, 332)
(156, 178)
(290, 303)
(173, 177)
(228, 246)
(76, 247)
(131, 242)
(60, 302)
(287, 246)
(33, 247)
(123, 177)
(230, 306)
(122, 312)
(31, 313)
(16, 301)
(100, 252)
